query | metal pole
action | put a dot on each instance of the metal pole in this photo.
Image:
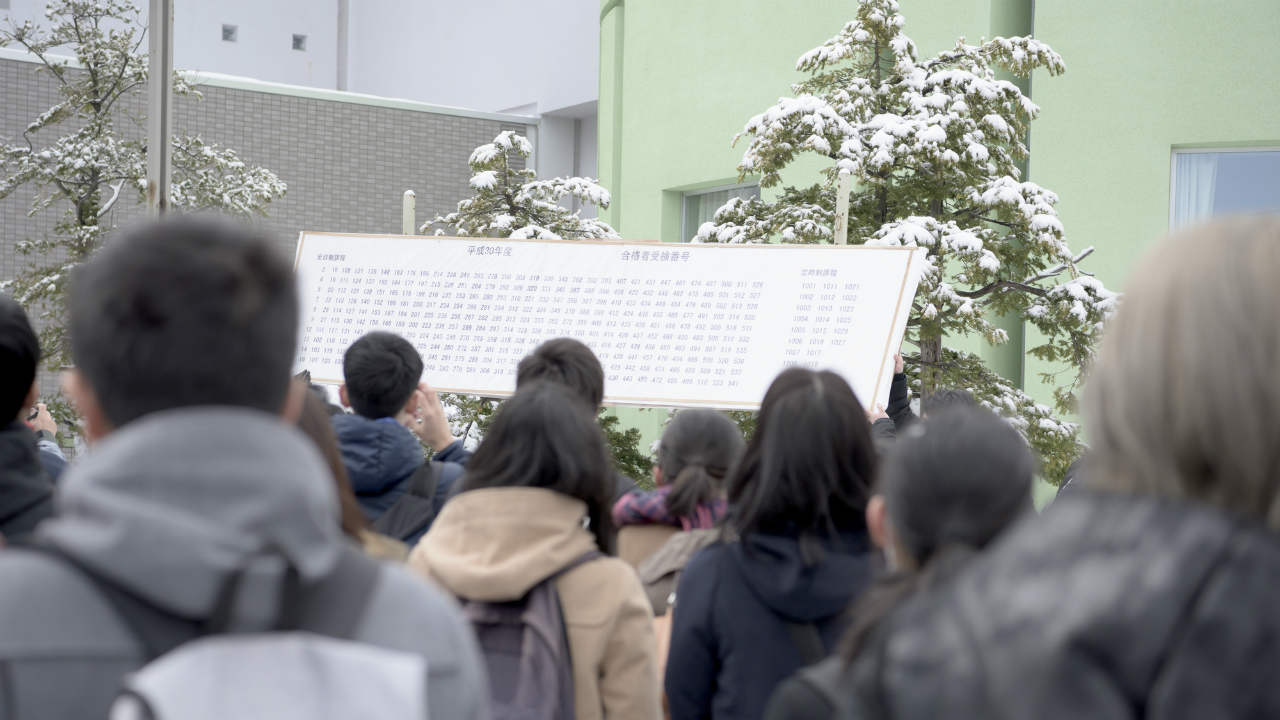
(159, 106)
(408, 213)
(841, 231)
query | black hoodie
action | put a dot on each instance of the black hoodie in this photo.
(730, 644)
(26, 493)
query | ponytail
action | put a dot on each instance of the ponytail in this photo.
(693, 487)
(695, 453)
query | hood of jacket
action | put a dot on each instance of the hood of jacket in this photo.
(805, 580)
(378, 454)
(495, 544)
(24, 486)
(170, 505)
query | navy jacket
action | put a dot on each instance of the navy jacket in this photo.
(730, 645)
(26, 493)
(380, 456)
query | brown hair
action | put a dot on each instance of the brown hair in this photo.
(314, 422)
(1183, 400)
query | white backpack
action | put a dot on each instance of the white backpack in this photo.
(305, 667)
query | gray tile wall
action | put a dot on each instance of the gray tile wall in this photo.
(346, 164)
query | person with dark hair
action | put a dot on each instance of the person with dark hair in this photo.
(26, 492)
(696, 451)
(395, 414)
(314, 423)
(1149, 592)
(944, 398)
(200, 509)
(751, 611)
(534, 508)
(570, 363)
(947, 489)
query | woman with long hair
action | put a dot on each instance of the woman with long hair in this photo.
(754, 609)
(946, 489)
(534, 507)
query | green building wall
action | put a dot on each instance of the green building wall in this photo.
(679, 79)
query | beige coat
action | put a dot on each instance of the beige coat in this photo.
(494, 545)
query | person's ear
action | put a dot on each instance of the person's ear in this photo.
(293, 401)
(342, 395)
(878, 522)
(657, 475)
(85, 400)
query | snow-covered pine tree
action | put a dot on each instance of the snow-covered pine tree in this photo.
(510, 202)
(83, 172)
(933, 147)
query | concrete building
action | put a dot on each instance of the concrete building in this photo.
(535, 58)
(1162, 117)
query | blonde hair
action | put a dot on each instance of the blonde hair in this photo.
(1184, 398)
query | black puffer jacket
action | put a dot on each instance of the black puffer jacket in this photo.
(26, 492)
(1104, 607)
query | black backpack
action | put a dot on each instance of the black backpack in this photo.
(416, 508)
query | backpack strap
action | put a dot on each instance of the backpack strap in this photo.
(156, 631)
(333, 606)
(828, 679)
(582, 559)
(415, 508)
(806, 639)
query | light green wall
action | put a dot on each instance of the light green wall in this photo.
(1141, 78)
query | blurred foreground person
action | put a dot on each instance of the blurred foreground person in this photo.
(26, 490)
(1151, 591)
(566, 630)
(950, 486)
(750, 612)
(201, 521)
(314, 423)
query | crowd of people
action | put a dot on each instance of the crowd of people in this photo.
(233, 544)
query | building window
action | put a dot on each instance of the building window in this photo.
(1207, 183)
(229, 33)
(700, 206)
(299, 42)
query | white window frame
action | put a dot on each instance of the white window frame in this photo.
(1199, 150)
(685, 234)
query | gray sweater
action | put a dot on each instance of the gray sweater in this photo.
(165, 508)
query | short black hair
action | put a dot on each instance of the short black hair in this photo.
(19, 356)
(183, 312)
(568, 362)
(944, 398)
(381, 370)
(547, 437)
(808, 468)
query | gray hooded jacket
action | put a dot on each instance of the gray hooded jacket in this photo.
(166, 508)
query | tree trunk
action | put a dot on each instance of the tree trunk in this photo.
(930, 372)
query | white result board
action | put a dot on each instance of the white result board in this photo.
(676, 325)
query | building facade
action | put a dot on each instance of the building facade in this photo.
(527, 58)
(1164, 116)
